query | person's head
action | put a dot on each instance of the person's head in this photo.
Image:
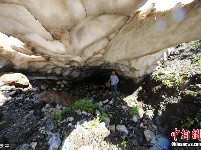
(113, 72)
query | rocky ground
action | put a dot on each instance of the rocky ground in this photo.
(67, 115)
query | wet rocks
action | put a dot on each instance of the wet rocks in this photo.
(16, 79)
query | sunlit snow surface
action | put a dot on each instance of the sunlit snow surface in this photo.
(162, 5)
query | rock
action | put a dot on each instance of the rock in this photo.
(122, 128)
(7, 88)
(16, 79)
(142, 125)
(105, 101)
(111, 102)
(88, 133)
(106, 107)
(1, 83)
(62, 85)
(102, 125)
(86, 113)
(3, 98)
(81, 121)
(70, 119)
(86, 148)
(44, 86)
(198, 86)
(100, 105)
(134, 118)
(33, 145)
(107, 121)
(145, 122)
(78, 111)
(54, 142)
(140, 112)
(148, 135)
(112, 128)
(34, 89)
(125, 108)
(98, 113)
(65, 145)
(70, 125)
(58, 106)
(149, 114)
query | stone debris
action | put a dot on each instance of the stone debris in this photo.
(148, 135)
(135, 118)
(44, 86)
(112, 128)
(54, 142)
(122, 128)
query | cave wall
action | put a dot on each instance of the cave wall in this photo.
(67, 37)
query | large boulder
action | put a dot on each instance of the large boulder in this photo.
(16, 79)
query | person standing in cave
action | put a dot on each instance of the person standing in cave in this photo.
(114, 81)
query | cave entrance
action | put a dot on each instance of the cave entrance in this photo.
(101, 76)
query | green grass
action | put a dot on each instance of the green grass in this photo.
(197, 60)
(185, 54)
(179, 81)
(168, 83)
(134, 100)
(159, 73)
(85, 105)
(104, 115)
(192, 123)
(193, 45)
(190, 93)
(170, 76)
(124, 144)
(134, 110)
(58, 116)
(95, 122)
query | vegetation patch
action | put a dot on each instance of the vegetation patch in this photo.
(85, 105)
(192, 123)
(193, 45)
(191, 93)
(95, 122)
(124, 144)
(168, 83)
(197, 60)
(104, 115)
(134, 110)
